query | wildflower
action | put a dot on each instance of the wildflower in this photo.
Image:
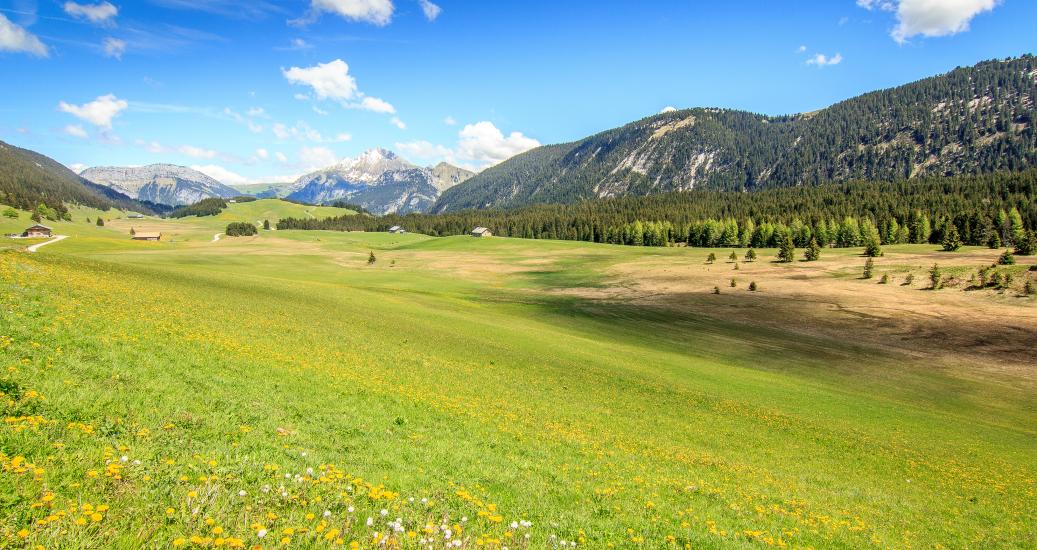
(96, 517)
(261, 533)
(242, 493)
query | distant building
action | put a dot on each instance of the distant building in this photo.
(481, 232)
(135, 216)
(37, 231)
(142, 236)
(397, 229)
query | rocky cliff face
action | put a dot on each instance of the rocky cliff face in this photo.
(167, 184)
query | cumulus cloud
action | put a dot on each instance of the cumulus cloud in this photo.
(301, 132)
(930, 17)
(431, 10)
(377, 12)
(98, 112)
(328, 80)
(221, 174)
(75, 130)
(281, 157)
(450, 121)
(77, 167)
(262, 154)
(14, 38)
(822, 60)
(113, 47)
(315, 158)
(332, 81)
(479, 145)
(801, 49)
(668, 109)
(395, 121)
(100, 13)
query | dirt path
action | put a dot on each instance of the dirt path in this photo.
(56, 238)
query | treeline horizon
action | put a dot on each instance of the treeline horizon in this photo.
(992, 209)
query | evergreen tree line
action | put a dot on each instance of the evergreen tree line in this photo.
(204, 207)
(989, 210)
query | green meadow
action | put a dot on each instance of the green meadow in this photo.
(283, 391)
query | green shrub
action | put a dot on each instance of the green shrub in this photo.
(240, 229)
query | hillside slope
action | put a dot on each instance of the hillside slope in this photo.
(971, 120)
(28, 179)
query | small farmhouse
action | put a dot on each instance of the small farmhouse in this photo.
(481, 232)
(142, 236)
(135, 216)
(397, 229)
(37, 231)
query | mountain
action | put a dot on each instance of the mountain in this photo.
(28, 179)
(160, 183)
(380, 181)
(971, 120)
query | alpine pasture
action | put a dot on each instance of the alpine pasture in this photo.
(283, 391)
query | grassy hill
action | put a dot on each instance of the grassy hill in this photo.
(28, 179)
(263, 189)
(279, 389)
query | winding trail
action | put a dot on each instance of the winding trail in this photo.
(56, 238)
(216, 237)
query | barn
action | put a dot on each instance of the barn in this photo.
(481, 232)
(397, 229)
(143, 236)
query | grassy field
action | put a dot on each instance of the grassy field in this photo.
(279, 390)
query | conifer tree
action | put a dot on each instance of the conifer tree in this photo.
(869, 268)
(100, 222)
(951, 240)
(787, 250)
(813, 252)
(750, 255)
(935, 278)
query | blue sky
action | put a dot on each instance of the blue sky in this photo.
(262, 90)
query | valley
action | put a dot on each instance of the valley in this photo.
(592, 393)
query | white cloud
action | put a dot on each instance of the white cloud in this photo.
(152, 147)
(254, 127)
(197, 152)
(98, 112)
(484, 144)
(281, 157)
(801, 49)
(376, 105)
(14, 38)
(113, 47)
(221, 174)
(75, 130)
(332, 81)
(431, 10)
(262, 153)
(930, 17)
(319, 111)
(450, 121)
(77, 167)
(329, 80)
(479, 145)
(822, 60)
(315, 158)
(258, 112)
(343, 137)
(668, 109)
(95, 13)
(378, 12)
(395, 121)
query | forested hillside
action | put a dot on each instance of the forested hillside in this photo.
(984, 210)
(29, 179)
(971, 120)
